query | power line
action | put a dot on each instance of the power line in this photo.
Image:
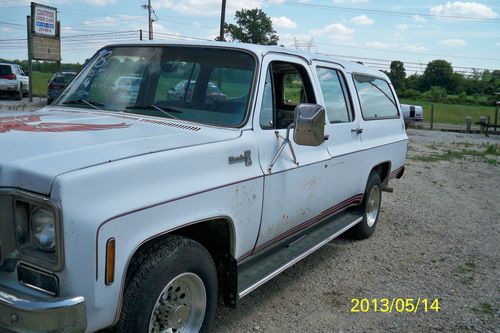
(409, 52)
(380, 12)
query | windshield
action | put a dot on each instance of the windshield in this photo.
(202, 85)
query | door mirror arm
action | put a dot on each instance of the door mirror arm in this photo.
(286, 142)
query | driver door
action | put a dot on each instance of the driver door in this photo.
(293, 189)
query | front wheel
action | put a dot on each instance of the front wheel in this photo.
(370, 208)
(171, 287)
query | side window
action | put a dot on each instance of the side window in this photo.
(267, 109)
(287, 84)
(375, 97)
(293, 89)
(334, 92)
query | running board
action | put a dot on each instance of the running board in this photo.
(262, 267)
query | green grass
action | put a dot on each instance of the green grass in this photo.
(449, 155)
(453, 113)
(40, 82)
(484, 309)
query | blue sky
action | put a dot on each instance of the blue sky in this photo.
(465, 33)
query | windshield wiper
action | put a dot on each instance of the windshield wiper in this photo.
(164, 110)
(93, 104)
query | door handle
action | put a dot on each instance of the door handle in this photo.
(357, 130)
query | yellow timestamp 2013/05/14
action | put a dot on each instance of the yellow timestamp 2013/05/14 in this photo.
(390, 305)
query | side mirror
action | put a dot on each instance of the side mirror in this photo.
(309, 125)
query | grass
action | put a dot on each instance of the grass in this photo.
(453, 113)
(40, 82)
(483, 154)
(484, 309)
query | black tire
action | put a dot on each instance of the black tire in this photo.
(366, 227)
(19, 93)
(153, 269)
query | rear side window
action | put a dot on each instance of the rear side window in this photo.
(333, 89)
(5, 70)
(375, 97)
(63, 79)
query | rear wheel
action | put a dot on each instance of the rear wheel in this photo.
(171, 287)
(19, 93)
(370, 208)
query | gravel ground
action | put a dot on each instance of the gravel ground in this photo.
(438, 237)
(7, 104)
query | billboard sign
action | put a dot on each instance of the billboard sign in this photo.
(44, 20)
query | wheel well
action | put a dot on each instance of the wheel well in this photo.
(217, 237)
(383, 169)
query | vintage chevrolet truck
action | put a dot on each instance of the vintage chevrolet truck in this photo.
(210, 170)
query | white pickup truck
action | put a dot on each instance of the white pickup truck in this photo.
(223, 166)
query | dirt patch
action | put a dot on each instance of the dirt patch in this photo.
(438, 237)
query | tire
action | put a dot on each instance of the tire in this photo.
(19, 94)
(165, 286)
(370, 207)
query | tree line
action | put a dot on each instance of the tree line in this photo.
(440, 83)
(45, 67)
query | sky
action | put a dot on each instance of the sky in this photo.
(465, 33)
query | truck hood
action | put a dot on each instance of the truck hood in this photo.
(36, 147)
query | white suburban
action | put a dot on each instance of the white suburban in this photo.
(220, 167)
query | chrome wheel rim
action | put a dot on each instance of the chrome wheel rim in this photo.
(180, 306)
(372, 207)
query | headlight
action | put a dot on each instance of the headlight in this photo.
(42, 224)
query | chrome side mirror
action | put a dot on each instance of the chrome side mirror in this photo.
(309, 125)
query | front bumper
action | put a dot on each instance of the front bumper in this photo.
(21, 312)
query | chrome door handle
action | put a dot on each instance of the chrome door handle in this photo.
(357, 130)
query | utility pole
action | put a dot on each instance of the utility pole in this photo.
(222, 20)
(150, 21)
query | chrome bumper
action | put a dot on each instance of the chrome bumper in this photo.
(20, 312)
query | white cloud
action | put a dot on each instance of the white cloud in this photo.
(101, 2)
(419, 19)
(111, 21)
(362, 20)
(454, 42)
(8, 3)
(205, 7)
(349, 1)
(464, 9)
(402, 27)
(283, 22)
(395, 46)
(337, 32)
(413, 48)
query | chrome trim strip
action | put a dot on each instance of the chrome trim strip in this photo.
(297, 259)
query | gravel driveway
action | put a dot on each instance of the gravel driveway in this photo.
(438, 237)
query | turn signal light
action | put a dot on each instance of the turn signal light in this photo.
(110, 261)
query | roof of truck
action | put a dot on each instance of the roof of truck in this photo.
(261, 50)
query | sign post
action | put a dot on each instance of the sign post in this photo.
(44, 38)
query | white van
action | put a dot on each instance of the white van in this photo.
(137, 213)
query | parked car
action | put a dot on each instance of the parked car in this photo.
(412, 113)
(213, 93)
(126, 88)
(13, 81)
(139, 217)
(57, 83)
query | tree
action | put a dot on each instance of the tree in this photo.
(252, 26)
(397, 74)
(438, 73)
